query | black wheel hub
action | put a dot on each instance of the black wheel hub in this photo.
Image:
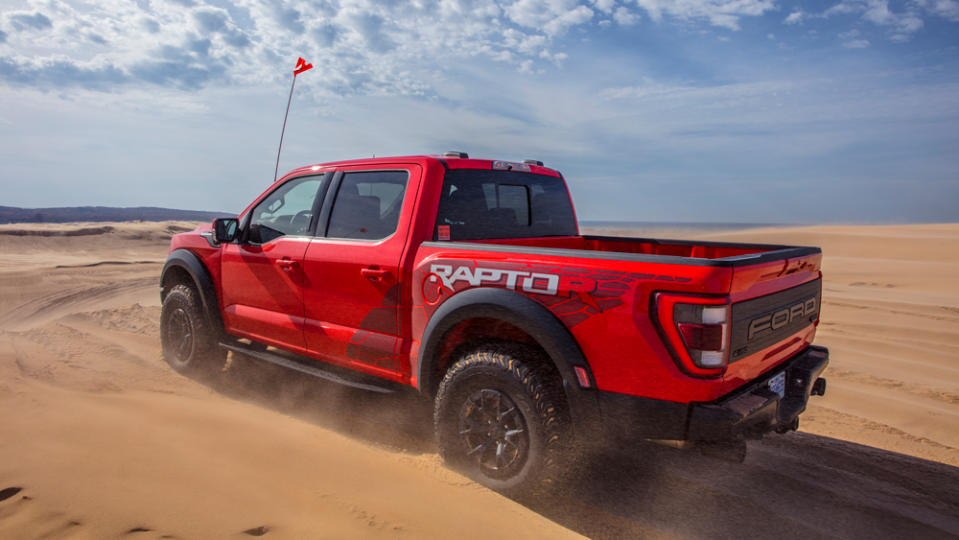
(494, 433)
(179, 335)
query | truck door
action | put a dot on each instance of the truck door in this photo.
(262, 274)
(352, 268)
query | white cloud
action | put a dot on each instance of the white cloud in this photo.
(553, 16)
(605, 6)
(856, 44)
(624, 17)
(795, 17)
(665, 94)
(878, 12)
(723, 13)
(361, 46)
(948, 9)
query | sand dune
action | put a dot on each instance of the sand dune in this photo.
(100, 439)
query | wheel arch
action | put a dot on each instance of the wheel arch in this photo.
(525, 314)
(183, 266)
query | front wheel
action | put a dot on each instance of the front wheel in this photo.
(189, 343)
(502, 421)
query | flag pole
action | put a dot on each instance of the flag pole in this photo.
(285, 116)
(301, 66)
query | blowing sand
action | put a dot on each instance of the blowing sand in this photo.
(100, 439)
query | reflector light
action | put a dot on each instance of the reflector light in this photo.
(581, 376)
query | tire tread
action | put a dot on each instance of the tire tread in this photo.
(540, 384)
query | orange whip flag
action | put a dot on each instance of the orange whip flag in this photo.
(300, 67)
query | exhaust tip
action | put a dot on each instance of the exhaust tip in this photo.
(819, 387)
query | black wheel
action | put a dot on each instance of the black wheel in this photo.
(189, 342)
(502, 421)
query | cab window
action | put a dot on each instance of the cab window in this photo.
(286, 211)
(480, 205)
(368, 204)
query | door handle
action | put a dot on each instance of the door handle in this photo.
(286, 264)
(375, 274)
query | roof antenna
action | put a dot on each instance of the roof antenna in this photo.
(300, 67)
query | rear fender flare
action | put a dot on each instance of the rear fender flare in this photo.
(194, 267)
(525, 314)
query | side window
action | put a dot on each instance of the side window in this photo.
(286, 211)
(368, 204)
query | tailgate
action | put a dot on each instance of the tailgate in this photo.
(774, 313)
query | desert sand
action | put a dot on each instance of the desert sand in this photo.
(100, 439)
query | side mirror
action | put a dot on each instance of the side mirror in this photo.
(224, 230)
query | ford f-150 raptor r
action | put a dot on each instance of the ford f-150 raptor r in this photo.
(467, 281)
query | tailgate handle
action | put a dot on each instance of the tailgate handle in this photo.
(794, 265)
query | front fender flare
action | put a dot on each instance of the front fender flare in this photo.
(194, 267)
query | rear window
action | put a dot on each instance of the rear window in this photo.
(479, 205)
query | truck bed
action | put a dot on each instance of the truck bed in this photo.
(623, 275)
(657, 250)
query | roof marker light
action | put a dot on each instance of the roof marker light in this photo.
(510, 166)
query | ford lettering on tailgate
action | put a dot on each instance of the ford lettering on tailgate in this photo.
(760, 323)
(770, 322)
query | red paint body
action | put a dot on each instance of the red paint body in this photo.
(311, 295)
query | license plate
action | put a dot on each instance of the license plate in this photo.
(778, 384)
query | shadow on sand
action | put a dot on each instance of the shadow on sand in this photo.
(791, 486)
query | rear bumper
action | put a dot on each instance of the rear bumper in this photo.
(749, 412)
(756, 409)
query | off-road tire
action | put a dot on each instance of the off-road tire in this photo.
(504, 370)
(188, 339)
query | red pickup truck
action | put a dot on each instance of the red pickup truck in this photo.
(468, 282)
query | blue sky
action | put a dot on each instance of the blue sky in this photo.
(655, 110)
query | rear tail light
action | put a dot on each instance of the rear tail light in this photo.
(697, 332)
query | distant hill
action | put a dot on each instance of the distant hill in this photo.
(12, 214)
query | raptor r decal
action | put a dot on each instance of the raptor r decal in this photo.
(572, 294)
(531, 282)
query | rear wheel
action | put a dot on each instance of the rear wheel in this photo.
(502, 421)
(189, 342)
